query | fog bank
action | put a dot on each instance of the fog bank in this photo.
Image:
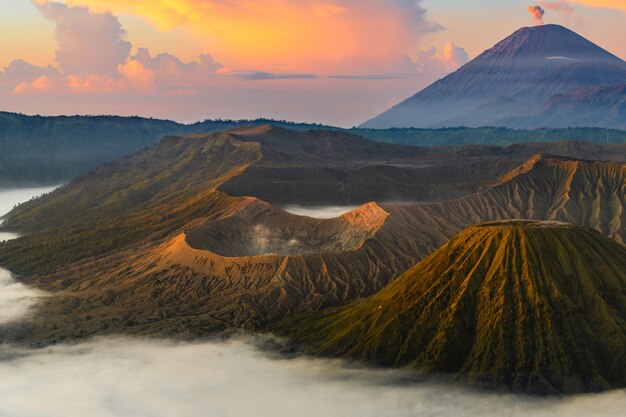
(12, 197)
(322, 212)
(130, 377)
(16, 299)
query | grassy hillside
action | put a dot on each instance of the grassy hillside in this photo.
(37, 150)
(533, 306)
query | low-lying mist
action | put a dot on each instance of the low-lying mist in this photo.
(322, 212)
(12, 197)
(124, 377)
(16, 299)
(130, 377)
(4, 236)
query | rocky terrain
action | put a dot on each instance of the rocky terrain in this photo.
(533, 306)
(152, 244)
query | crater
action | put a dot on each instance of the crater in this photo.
(258, 228)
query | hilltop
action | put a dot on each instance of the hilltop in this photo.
(531, 306)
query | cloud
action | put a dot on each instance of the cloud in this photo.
(561, 7)
(40, 85)
(12, 197)
(132, 78)
(95, 60)
(136, 77)
(16, 299)
(20, 71)
(89, 43)
(607, 4)
(373, 77)
(314, 41)
(324, 10)
(141, 378)
(325, 212)
(261, 75)
(450, 58)
(164, 63)
(324, 35)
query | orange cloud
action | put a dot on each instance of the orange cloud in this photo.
(42, 84)
(94, 84)
(136, 77)
(562, 7)
(300, 35)
(449, 59)
(89, 43)
(608, 4)
(133, 78)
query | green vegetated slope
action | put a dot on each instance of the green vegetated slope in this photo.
(38, 149)
(536, 307)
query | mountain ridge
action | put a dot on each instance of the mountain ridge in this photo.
(52, 150)
(194, 261)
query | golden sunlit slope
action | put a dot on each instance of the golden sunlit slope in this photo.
(587, 193)
(141, 197)
(531, 306)
(148, 245)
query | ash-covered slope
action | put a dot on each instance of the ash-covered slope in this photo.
(150, 245)
(248, 264)
(530, 306)
(513, 79)
(588, 193)
(595, 107)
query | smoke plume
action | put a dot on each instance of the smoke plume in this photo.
(537, 12)
(560, 7)
(322, 212)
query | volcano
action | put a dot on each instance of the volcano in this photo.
(533, 306)
(519, 78)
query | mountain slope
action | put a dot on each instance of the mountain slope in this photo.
(152, 244)
(546, 187)
(513, 79)
(532, 306)
(600, 107)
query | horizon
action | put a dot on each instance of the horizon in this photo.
(152, 64)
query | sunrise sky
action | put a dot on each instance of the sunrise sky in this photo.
(329, 61)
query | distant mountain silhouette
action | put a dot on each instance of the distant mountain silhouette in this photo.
(522, 77)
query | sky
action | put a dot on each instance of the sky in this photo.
(338, 62)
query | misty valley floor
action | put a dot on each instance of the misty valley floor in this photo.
(134, 377)
(114, 376)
